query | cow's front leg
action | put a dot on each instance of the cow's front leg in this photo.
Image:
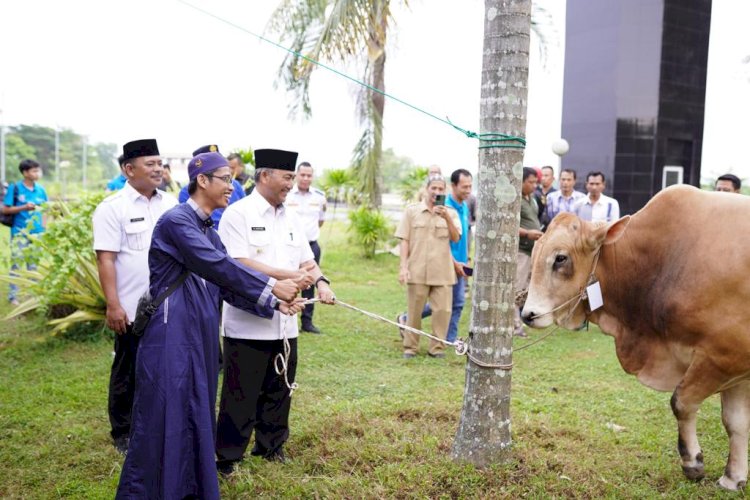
(687, 438)
(735, 413)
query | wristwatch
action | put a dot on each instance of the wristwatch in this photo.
(322, 278)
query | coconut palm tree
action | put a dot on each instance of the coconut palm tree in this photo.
(341, 30)
(483, 436)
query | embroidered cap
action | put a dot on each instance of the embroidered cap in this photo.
(205, 162)
(210, 148)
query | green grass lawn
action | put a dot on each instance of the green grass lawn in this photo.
(366, 423)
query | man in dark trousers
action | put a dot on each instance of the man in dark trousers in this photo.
(123, 224)
(310, 205)
(259, 232)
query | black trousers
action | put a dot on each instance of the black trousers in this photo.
(307, 313)
(122, 383)
(253, 397)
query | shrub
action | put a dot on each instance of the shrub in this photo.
(412, 182)
(370, 228)
(67, 278)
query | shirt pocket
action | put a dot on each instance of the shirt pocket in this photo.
(441, 228)
(259, 243)
(136, 234)
(292, 247)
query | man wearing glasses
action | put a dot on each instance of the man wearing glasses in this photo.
(237, 194)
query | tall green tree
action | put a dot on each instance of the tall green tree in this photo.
(16, 150)
(339, 31)
(483, 436)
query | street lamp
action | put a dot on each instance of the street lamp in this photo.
(560, 147)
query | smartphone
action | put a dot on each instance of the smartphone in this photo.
(439, 199)
(468, 271)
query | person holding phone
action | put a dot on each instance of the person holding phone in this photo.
(461, 184)
(427, 270)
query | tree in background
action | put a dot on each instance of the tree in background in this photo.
(38, 143)
(341, 30)
(394, 168)
(483, 436)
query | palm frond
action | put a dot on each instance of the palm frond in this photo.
(22, 308)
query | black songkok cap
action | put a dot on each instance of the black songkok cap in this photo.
(143, 147)
(276, 158)
(209, 148)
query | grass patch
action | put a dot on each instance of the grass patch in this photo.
(366, 423)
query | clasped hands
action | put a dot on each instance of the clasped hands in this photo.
(286, 290)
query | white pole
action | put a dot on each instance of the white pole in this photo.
(57, 154)
(2, 138)
(85, 158)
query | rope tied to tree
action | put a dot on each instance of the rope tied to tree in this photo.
(492, 140)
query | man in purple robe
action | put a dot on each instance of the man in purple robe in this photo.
(171, 451)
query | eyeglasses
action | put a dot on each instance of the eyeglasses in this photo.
(226, 178)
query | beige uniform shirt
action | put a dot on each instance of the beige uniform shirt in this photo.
(430, 261)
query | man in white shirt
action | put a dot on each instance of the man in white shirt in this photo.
(565, 198)
(123, 224)
(597, 207)
(310, 205)
(259, 233)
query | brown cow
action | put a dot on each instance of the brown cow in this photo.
(675, 280)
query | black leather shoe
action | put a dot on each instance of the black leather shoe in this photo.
(225, 467)
(121, 445)
(277, 456)
(311, 329)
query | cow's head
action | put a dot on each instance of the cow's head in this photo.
(562, 261)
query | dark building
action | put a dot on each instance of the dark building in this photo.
(634, 93)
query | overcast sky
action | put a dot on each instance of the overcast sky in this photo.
(118, 71)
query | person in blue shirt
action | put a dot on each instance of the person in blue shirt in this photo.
(118, 182)
(461, 183)
(237, 194)
(22, 199)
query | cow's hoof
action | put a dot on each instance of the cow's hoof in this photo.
(694, 473)
(731, 484)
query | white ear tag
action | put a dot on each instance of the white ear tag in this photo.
(594, 293)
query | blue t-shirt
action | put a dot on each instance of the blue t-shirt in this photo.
(460, 249)
(117, 183)
(237, 194)
(36, 195)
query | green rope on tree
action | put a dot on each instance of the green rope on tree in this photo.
(487, 141)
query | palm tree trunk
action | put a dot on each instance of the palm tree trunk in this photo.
(484, 435)
(376, 47)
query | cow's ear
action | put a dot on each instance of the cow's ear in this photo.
(616, 229)
(606, 234)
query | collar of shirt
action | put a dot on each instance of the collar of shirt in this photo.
(198, 210)
(296, 190)
(456, 205)
(602, 199)
(133, 195)
(260, 204)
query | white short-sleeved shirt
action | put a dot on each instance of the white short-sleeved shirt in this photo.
(310, 206)
(605, 209)
(252, 229)
(123, 223)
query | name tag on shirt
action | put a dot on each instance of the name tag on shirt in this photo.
(258, 228)
(138, 219)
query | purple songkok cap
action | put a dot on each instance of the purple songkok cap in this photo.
(205, 162)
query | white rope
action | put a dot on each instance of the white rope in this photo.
(281, 361)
